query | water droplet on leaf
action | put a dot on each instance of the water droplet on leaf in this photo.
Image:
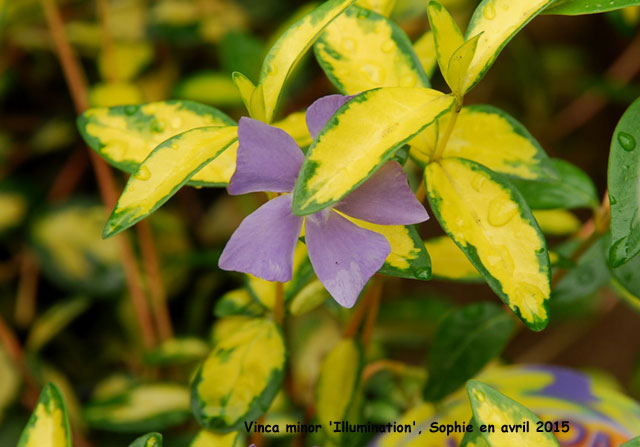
(142, 173)
(130, 110)
(157, 126)
(627, 141)
(348, 44)
(501, 211)
(489, 11)
(388, 46)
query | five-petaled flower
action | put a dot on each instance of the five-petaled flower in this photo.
(344, 255)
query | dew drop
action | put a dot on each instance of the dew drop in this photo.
(627, 141)
(157, 126)
(373, 72)
(174, 146)
(388, 46)
(142, 173)
(408, 81)
(528, 298)
(130, 110)
(489, 11)
(176, 122)
(479, 396)
(478, 182)
(348, 44)
(501, 211)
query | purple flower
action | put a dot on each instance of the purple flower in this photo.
(344, 256)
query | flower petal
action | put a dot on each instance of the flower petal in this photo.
(385, 199)
(264, 242)
(344, 255)
(319, 113)
(268, 159)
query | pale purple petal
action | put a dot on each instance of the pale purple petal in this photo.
(385, 199)
(268, 159)
(319, 113)
(344, 255)
(264, 242)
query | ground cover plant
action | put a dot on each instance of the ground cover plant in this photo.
(332, 223)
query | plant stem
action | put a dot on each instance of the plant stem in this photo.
(396, 367)
(351, 329)
(26, 294)
(78, 87)
(442, 142)
(373, 306)
(11, 344)
(278, 306)
(152, 268)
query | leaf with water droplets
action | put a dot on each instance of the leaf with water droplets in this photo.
(490, 221)
(361, 50)
(165, 170)
(126, 135)
(624, 187)
(465, 341)
(498, 21)
(579, 7)
(491, 407)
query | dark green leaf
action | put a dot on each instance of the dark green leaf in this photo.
(573, 189)
(580, 7)
(464, 343)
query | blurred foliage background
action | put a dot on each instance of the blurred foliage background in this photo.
(62, 288)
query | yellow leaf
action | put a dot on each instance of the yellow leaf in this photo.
(361, 50)
(425, 49)
(166, 169)
(459, 64)
(48, 425)
(498, 21)
(286, 53)
(446, 34)
(360, 138)
(240, 378)
(492, 224)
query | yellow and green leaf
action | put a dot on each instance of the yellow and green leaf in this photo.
(286, 53)
(491, 137)
(295, 125)
(126, 135)
(241, 377)
(408, 258)
(177, 351)
(114, 94)
(459, 64)
(238, 302)
(425, 49)
(449, 262)
(338, 383)
(72, 254)
(245, 88)
(498, 21)
(492, 224)
(361, 137)
(54, 320)
(206, 438)
(383, 7)
(446, 34)
(361, 50)
(493, 408)
(579, 7)
(624, 187)
(166, 170)
(129, 410)
(49, 424)
(148, 440)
